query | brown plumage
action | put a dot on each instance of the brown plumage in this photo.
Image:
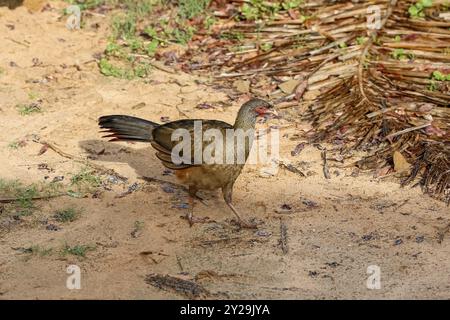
(197, 176)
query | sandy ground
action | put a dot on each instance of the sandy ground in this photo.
(335, 229)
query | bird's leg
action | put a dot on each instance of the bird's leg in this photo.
(242, 223)
(190, 215)
(227, 198)
(202, 200)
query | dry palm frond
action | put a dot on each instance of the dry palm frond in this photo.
(377, 89)
(433, 165)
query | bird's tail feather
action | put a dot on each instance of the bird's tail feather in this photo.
(126, 128)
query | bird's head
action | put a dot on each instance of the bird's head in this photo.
(259, 107)
(251, 110)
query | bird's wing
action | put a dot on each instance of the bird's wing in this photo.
(163, 135)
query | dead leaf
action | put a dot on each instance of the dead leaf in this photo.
(34, 5)
(242, 86)
(288, 86)
(43, 149)
(138, 106)
(301, 88)
(400, 163)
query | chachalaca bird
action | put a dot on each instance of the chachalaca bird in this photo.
(197, 176)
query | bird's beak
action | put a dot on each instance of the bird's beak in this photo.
(272, 112)
(262, 111)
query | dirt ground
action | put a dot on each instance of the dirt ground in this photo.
(335, 229)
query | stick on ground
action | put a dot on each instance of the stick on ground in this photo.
(283, 237)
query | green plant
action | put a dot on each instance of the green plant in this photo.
(416, 10)
(140, 7)
(188, 9)
(124, 26)
(85, 177)
(27, 109)
(259, 9)
(135, 44)
(141, 69)
(433, 86)
(66, 215)
(109, 70)
(113, 49)
(25, 197)
(361, 40)
(439, 76)
(14, 145)
(232, 35)
(398, 54)
(208, 22)
(291, 4)
(86, 4)
(266, 46)
(151, 47)
(124, 59)
(77, 250)
(183, 36)
(401, 54)
(22, 194)
(138, 225)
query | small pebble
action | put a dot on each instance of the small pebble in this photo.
(263, 233)
(58, 179)
(180, 206)
(167, 188)
(285, 208)
(310, 203)
(52, 227)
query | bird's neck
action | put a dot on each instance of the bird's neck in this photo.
(246, 122)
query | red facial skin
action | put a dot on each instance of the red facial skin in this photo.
(261, 111)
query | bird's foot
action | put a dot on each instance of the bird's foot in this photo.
(193, 220)
(244, 224)
(247, 225)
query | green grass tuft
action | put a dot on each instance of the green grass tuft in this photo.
(77, 250)
(66, 215)
(188, 9)
(27, 109)
(86, 176)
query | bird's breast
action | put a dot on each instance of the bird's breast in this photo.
(208, 177)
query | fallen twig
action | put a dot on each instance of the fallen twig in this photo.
(97, 167)
(326, 170)
(188, 288)
(395, 134)
(14, 199)
(283, 237)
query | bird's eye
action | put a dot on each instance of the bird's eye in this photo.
(261, 110)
